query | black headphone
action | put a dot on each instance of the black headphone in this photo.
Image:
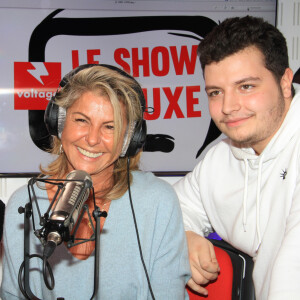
(55, 115)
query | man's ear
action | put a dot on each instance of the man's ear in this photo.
(286, 83)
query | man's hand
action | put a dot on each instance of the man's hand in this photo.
(203, 262)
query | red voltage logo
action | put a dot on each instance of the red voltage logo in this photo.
(35, 83)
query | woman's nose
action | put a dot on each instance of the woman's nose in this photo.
(93, 136)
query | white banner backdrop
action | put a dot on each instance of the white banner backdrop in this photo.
(40, 44)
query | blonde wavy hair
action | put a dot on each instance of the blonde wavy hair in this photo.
(118, 88)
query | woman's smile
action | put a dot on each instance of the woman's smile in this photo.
(89, 154)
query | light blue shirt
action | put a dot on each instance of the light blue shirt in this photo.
(122, 276)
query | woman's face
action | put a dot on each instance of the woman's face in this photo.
(88, 135)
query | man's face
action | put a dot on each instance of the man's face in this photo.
(245, 101)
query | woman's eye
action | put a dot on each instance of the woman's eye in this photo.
(109, 127)
(80, 120)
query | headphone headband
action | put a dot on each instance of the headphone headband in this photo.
(66, 78)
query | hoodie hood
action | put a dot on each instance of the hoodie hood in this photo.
(286, 132)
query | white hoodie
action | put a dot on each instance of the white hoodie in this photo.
(253, 203)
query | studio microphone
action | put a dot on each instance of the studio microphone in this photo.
(74, 193)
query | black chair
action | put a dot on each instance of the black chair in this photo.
(243, 287)
(2, 209)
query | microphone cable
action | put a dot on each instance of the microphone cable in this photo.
(21, 278)
(136, 230)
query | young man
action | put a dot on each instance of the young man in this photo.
(247, 188)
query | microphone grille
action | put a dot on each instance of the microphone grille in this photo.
(79, 175)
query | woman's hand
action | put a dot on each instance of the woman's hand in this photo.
(203, 262)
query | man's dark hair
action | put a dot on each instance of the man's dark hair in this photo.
(235, 34)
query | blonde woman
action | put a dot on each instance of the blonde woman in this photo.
(98, 128)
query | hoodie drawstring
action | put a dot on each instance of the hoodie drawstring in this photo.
(257, 199)
(245, 194)
(258, 202)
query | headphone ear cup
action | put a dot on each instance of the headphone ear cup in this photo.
(54, 118)
(138, 139)
(50, 117)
